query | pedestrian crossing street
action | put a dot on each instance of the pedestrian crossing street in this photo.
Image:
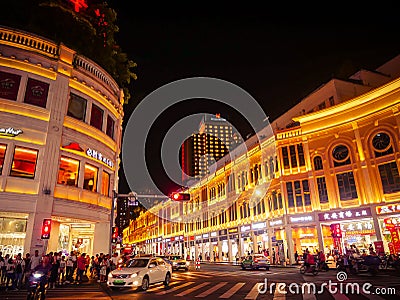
(62, 293)
(188, 286)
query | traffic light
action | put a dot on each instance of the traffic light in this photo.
(114, 234)
(46, 228)
(180, 196)
(336, 231)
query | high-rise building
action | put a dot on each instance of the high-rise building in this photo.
(201, 150)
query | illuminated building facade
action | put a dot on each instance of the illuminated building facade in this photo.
(336, 162)
(60, 139)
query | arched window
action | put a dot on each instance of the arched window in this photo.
(318, 163)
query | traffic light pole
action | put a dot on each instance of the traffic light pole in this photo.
(114, 199)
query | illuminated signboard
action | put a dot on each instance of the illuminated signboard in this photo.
(301, 219)
(100, 157)
(345, 214)
(276, 222)
(387, 209)
(10, 131)
(258, 225)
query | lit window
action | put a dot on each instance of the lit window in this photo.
(24, 162)
(105, 184)
(96, 118)
(2, 155)
(90, 179)
(9, 85)
(68, 171)
(77, 107)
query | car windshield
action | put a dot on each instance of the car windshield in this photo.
(136, 263)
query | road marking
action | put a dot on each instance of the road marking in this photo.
(212, 290)
(253, 293)
(232, 290)
(307, 296)
(188, 291)
(173, 290)
(278, 294)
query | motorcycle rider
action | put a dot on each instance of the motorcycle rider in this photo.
(310, 261)
(45, 267)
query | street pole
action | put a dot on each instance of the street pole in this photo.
(114, 199)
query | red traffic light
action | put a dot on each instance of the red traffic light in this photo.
(46, 228)
(180, 196)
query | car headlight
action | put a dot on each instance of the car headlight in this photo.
(174, 263)
(37, 275)
(134, 275)
(110, 275)
(188, 263)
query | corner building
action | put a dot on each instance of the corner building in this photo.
(60, 139)
(336, 162)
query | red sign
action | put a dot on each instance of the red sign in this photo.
(78, 4)
(391, 248)
(379, 247)
(387, 209)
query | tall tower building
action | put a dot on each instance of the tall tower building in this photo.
(202, 149)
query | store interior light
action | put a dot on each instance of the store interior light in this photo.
(91, 182)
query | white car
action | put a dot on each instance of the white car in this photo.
(140, 272)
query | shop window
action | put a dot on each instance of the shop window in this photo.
(289, 189)
(347, 186)
(285, 157)
(293, 157)
(68, 171)
(110, 127)
(105, 184)
(77, 107)
(36, 92)
(318, 163)
(382, 144)
(390, 179)
(341, 156)
(9, 85)
(90, 178)
(300, 152)
(24, 162)
(96, 117)
(322, 190)
(3, 149)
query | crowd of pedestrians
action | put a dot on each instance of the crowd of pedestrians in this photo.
(73, 268)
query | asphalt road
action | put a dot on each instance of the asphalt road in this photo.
(230, 282)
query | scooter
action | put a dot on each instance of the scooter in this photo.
(313, 269)
(37, 286)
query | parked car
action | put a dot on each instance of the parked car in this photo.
(255, 261)
(178, 262)
(140, 272)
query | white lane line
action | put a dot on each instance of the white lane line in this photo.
(173, 289)
(254, 292)
(188, 291)
(212, 290)
(232, 290)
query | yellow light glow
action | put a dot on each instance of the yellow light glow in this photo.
(24, 150)
(91, 168)
(28, 67)
(70, 160)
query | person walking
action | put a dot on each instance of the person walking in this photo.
(19, 268)
(10, 272)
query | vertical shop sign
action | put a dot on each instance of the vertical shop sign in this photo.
(394, 234)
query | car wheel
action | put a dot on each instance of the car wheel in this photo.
(145, 284)
(243, 267)
(186, 269)
(167, 279)
(266, 268)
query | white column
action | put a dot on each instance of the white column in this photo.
(101, 243)
(289, 243)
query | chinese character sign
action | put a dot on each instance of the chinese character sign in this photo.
(345, 214)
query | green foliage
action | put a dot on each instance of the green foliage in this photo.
(82, 31)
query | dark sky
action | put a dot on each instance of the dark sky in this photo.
(277, 59)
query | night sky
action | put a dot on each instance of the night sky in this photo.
(277, 59)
